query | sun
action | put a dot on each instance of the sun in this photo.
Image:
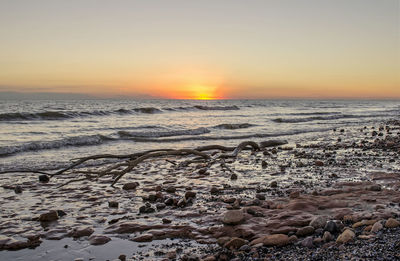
(203, 92)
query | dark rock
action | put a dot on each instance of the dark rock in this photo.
(44, 178)
(122, 257)
(274, 184)
(98, 240)
(182, 203)
(143, 238)
(113, 204)
(234, 176)
(81, 232)
(214, 190)
(264, 164)
(160, 206)
(272, 143)
(170, 189)
(169, 201)
(190, 194)
(18, 189)
(308, 242)
(260, 196)
(130, 186)
(331, 227)
(52, 215)
(166, 221)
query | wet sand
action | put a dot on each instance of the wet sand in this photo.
(278, 203)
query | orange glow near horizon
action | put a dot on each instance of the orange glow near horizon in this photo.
(198, 92)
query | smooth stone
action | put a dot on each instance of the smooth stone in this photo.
(81, 232)
(235, 243)
(113, 204)
(44, 178)
(331, 226)
(170, 189)
(52, 215)
(18, 189)
(143, 238)
(392, 223)
(276, 240)
(345, 237)
(190, 194)
(98, 240)
(305, 231)
(376, 227)
(233, 217)
(308, 242)
(318, 222)
(327, 236)
(130, 185)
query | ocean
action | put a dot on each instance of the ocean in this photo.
(46, 135)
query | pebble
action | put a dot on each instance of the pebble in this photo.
(113, 204)
(235, 243)
(318, 222)
(308, 242)
(18, 189)
(392, 223)
(376, 227)
(233, 217)
(52, 215)
(345, 237)
(98, 240)
(305, 231)
(130, 185)
(44, 178)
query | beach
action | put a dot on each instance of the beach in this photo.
(328, 195)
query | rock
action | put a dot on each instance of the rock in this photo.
(170, 189)
(234, 176)
(190, 194)
(146, 208)
(122, 257)
(61, 213)
(276, 240)
(376, 227)
(274, 184)
(272, 143)
(202, 171)
(44, 178)
(169, 201)
(160, 206)
(264, 164)
(98, 240)
(331, 227)
(345, 237)
(171, 255)
(166, 221)
(308, 242)
(143, 238)
(364, 222)
(305, 231)
(319, 163)
(294, 194)
(130, 186)
(327, 236)
(235, 243)
(18, 189)
(113, 204)
(392, 223)
(81, 232)
(233, 217)
(375, 187)
(182, 203)
(318, 222)
(293, 239)
(260, 196)
(223, 240)
(52, 215)
(214, 190)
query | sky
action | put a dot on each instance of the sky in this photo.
(202, 49)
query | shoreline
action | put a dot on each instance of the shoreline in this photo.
(345, 177)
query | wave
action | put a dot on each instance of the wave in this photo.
(61, 115)
(216, 108)
(233, 137)
(234, 126)
(55, 144)
(158, 134)
(323, 118)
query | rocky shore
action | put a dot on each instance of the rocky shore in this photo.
(335, 197)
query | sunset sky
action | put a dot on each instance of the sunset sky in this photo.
(202, 49)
